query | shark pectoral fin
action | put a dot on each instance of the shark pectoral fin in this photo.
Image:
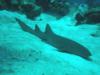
(37, 29)
(48, 29)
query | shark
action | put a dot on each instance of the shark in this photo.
(64, 45)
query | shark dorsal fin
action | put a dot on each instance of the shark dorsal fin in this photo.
(48, 29)
(37, 28)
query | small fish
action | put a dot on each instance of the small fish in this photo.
(61, 43)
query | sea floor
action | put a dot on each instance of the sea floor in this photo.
(24, 54)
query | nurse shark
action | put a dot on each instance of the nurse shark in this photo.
(63, 44)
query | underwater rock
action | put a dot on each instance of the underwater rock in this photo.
(31, 11)
(10, 4)
(32, 8)
(44, 4)
(2, 4)
(92, 17)
(93, 3)
(85, 13)
(60, 8)
(56, 7)
(28, 7)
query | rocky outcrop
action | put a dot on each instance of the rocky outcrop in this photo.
(92, 16)
(56, 8)
(27, 7)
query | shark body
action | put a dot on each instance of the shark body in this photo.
(61, 43)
